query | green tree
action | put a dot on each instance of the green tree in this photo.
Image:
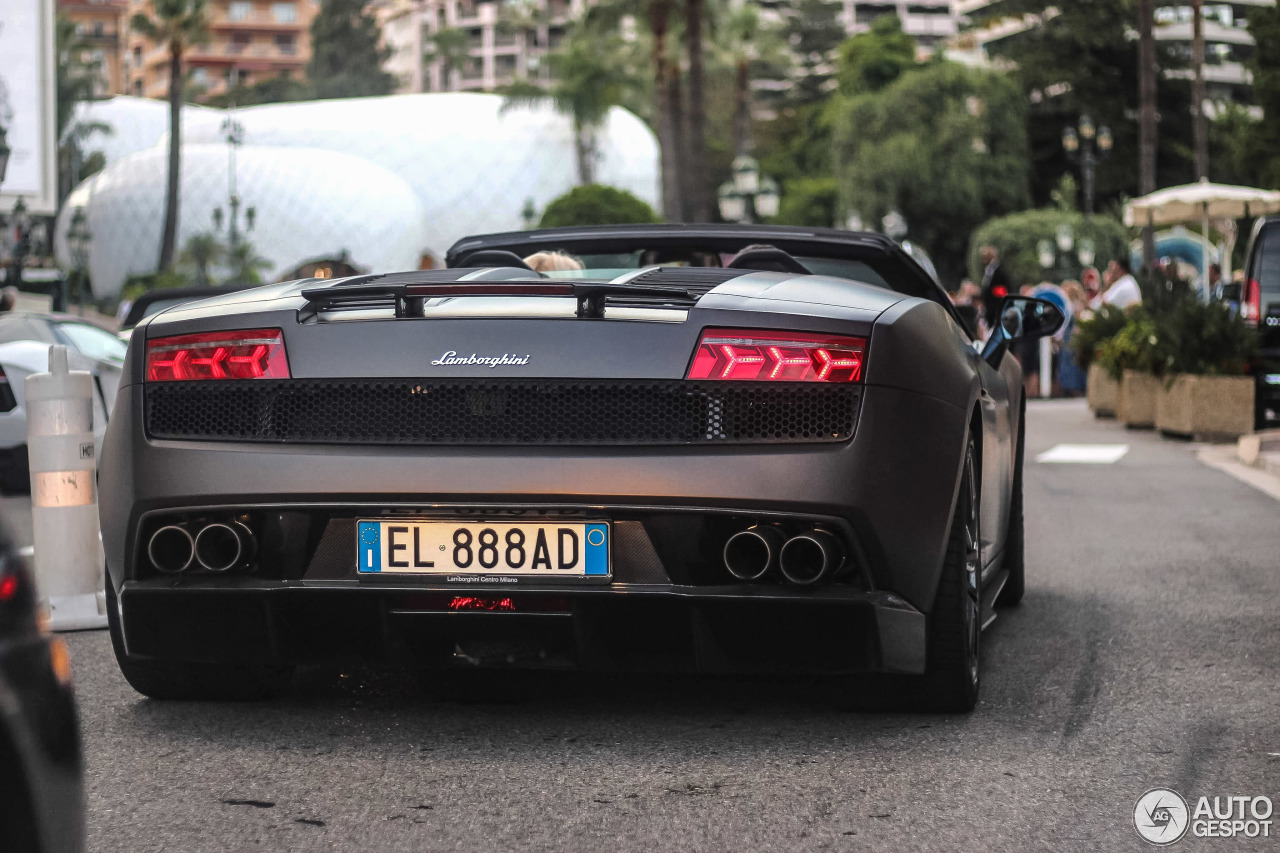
(1016, 238)
(346, 58)
(1084, 61)
(244, 264)
(747, 46)
(872, 60)
(586, 85)
(944, 145)
(201, 252)
(178, 25)
(1264, 26)
(450, 47)
(77, 78)
(814, 32)
(273, 90)
(596, 204)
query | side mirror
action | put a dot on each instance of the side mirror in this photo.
(1021, 318)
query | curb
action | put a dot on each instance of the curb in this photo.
(1226, 459)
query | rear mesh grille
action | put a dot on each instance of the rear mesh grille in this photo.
(537, 412)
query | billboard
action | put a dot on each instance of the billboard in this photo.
(27, 110)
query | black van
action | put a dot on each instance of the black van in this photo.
(1260, 305)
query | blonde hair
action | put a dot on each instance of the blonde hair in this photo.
(552, 262)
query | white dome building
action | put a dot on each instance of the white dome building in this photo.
(387, 179)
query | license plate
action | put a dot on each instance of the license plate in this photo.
(466, 551)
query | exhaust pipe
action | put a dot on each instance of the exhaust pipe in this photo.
(171, 548)
(750, 554)
(221, 546)
(808, 558)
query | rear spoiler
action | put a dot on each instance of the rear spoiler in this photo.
(409, 292)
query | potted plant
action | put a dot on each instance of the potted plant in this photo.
(1205, 351)
(1089, 335)
(1129, 357)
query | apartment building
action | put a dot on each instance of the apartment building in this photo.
(929, 22)
(504, 41)
(100, 26)
(250, 41)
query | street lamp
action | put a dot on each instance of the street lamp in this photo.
(78, 238)
(749, 196)
(233, 133)
(529, 215)
(1088, 146)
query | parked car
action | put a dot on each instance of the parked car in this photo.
(41, 774)
(730, 466)
(1260, 305)
(162, 299)
(24, 349)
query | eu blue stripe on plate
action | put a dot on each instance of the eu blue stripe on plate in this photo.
(596, 549)
(369, 535)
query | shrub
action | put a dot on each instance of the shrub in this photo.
(1134, 347)
(1205, 339)
(596, 204)
(1016, 237)
(1091, 333)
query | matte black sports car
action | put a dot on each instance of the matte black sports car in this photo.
(694, 454)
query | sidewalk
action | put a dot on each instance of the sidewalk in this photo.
(1254, 459)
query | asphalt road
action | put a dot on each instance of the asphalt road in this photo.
(1146, 653)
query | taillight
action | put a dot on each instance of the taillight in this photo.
(1251, 302)
(759, 356)
(240, 354)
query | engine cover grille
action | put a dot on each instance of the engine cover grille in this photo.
(502, 412)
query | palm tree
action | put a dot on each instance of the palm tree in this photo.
(743, 42)
(450, 47)
(1147, 116)
(180, 25)
(586, 85)
(1198, 95)
(202, 251)
(699, 190)
(244, 264)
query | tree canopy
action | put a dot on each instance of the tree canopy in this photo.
(346, 58)
(944, 145)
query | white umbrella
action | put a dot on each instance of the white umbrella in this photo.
(1200, 202)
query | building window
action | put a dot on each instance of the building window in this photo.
(239, 41)
(284, 13)
(239, 10)
(286, 45)
(99, 28)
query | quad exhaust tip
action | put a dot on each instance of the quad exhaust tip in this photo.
(750, 554)
(222, 546)
(171, 549)
(810, 557)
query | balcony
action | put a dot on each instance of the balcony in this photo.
(258, 21)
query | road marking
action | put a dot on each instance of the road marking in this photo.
(1086, 454)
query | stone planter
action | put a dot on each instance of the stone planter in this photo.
(1136, 403)
(1103, 392)
(1206, 407)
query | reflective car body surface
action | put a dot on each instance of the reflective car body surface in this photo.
(493, 398)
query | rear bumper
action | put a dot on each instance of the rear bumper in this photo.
(620, 627)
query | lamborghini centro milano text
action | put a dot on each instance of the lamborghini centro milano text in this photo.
(715, 449)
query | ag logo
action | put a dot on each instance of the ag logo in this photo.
(1161, 816)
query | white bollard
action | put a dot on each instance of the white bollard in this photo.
(1046, 368)
(64, 503)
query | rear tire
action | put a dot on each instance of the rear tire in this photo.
(187, 680)
(1015, 586)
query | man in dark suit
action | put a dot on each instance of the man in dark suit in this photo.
(996, 284)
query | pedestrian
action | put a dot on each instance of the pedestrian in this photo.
(1122, 288)
(996, 283)
(1071, 376)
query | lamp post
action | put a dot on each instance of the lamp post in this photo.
(529, 215)
(233, 133)
(1088, 146)
(78, 238)
(749, 197)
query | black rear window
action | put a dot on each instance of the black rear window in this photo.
(1266, 267)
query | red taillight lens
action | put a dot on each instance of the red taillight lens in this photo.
(758, 356)
(241, 354)
(1251, 302)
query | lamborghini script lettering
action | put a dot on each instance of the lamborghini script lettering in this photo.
(452, 358)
